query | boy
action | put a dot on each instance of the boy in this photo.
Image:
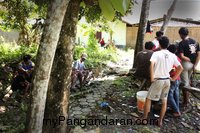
(161, 64)
(143, 61)
(173, 96)
(189, 53)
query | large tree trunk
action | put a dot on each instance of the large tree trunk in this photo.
(45, 56)
(142, 27)
(60, 80)
(166, 18)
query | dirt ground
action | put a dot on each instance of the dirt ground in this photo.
(121, 97)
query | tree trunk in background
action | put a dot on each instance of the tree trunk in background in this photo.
(142, 28)
(60, 80)
(45, 56)
(166, 18)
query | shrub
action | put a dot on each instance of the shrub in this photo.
(97, 56)
(79, 49)
(11, 52)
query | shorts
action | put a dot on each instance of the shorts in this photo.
(159, 90)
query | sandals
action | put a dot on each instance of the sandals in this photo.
(177, 114)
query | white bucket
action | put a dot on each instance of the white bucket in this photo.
(141, 98)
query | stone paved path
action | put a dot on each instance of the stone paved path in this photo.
(83, 105)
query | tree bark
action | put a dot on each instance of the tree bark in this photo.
(142, 28)
(45, 56)
(60, 80)
(166, 18)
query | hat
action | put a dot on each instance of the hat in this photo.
(84, 55)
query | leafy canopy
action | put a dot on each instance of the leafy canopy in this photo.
(109, 9)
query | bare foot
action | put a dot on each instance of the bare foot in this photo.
(160, 123)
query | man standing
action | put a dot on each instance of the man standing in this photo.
(189, 53)
(143, 61)
(159, 34)
(161, 64)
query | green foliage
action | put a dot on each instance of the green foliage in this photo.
(109, 9)
(112, 8)
(79, 49)
(92, 14)
(16, 13)
(10, 52)
(92, 43)
(123, 85)
(121, 5)
(97, 57)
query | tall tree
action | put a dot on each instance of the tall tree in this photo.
(60, 80)
(15, 15)
(142, 27)
(45, 56)
(166, 18)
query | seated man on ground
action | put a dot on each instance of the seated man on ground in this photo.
(23, 75)
(173, 96)
(26, 68)
(143, 61)
(79, 71)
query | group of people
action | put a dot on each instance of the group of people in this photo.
(24, 72)
(167, 66)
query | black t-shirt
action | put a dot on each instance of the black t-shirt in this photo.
(189, 48)
(143, 64)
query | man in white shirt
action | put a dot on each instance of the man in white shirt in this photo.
(161, 64)
(79, 71)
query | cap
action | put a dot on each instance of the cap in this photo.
(84, 55)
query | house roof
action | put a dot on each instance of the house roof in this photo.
(184, 9)
(173, 22)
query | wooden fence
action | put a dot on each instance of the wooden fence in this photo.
(172, 33)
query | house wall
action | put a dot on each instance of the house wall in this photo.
(119, 33)
(11, 36)
(172, 33)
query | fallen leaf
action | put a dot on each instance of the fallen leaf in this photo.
(134, 115)
(166, 120)
(198, 106)
(185, 124)
(124, 112)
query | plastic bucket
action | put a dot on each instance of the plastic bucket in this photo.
(141, 98)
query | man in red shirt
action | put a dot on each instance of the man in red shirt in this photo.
(173, 95)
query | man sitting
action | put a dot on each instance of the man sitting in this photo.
(26, 68)
(79, 71)
(23, 75)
